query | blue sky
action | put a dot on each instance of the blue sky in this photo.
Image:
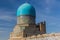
(48, 10)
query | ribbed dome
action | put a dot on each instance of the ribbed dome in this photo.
(26, 9)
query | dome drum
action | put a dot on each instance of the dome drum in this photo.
(26, 20)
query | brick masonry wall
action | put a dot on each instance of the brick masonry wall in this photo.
(55, 36)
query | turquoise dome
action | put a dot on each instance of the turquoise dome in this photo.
(26, 9)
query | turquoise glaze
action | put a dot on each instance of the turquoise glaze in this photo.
(26, 9)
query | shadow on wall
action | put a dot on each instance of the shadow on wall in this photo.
(34, 29)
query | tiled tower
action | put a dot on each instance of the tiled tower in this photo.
(26, 26)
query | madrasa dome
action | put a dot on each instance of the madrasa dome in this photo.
(26, 27)
(26, 9)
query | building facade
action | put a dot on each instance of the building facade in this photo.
(26, 27)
